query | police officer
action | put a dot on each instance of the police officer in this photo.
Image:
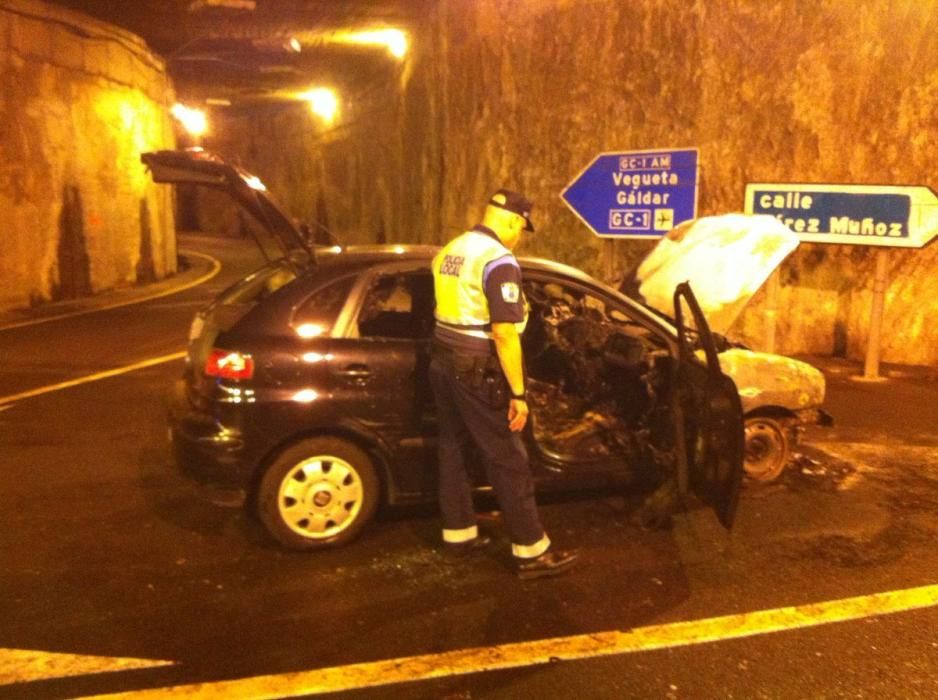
(477, 374)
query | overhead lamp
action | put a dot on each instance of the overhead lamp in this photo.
(193, 120)
(294, 44)
(394, 40)
(218, 101)
(323, 102)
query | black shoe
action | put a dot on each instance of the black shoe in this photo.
(461, 549)
(550, 563)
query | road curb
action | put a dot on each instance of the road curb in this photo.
(204, 268)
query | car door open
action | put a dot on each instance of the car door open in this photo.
(710, 418)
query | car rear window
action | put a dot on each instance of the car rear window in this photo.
(261, 284)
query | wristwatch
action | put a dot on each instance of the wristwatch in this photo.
(519, 397)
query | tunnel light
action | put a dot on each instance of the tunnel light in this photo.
(192, 120)
(294, 44)
(398, 249)
(394, 40)
(323, 102)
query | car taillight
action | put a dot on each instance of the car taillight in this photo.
(229, 364)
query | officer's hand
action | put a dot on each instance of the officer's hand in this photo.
(517, 414)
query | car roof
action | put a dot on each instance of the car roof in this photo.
(362, 256)
(336, 260)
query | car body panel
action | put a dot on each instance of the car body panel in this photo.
(766, 379)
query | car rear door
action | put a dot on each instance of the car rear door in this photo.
(710, 416)
(379, 368)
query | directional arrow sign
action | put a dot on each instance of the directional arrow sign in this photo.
(877, 215)
(635, 194)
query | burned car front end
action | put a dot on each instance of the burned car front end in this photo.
(727, 259)
(781, 396)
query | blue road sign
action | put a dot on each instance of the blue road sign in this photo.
(635, 194)
(877, 215)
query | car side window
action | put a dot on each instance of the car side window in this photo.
(318, 313)
(398, 305)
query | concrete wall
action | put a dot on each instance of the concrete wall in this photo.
(79, 101)
(524, 93)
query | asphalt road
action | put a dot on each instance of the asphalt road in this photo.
(106, 552)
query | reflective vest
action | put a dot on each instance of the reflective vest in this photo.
(458, 280)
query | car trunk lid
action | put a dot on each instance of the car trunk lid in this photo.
(199, 167)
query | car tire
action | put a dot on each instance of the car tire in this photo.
(319, 492)
(768, 448)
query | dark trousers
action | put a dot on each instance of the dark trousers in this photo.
(466, 415)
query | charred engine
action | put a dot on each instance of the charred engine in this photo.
(598, 383)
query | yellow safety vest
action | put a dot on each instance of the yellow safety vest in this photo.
(458, 271)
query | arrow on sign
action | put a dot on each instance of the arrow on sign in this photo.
(875, 215)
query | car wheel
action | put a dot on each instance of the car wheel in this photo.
(768, 448)
(319, 492)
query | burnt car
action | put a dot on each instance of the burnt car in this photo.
(305, 387)
(726, 259)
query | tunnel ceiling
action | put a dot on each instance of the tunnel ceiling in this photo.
(240, 50)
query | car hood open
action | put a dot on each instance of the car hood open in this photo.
(725, 258)
(198, 167)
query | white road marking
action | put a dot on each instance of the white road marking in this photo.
(525, 654)
(13, 398)
(216, 268)
(25, 665)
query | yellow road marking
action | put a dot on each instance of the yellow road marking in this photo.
(506, 656)
(24, 665)
(12, 398)
(216, 268)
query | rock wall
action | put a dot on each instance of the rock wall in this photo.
(79, 101)
(524, 93)
(774, 91)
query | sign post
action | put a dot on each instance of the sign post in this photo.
(635, 194)
(873, 215)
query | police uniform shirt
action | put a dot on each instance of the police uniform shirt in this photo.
(501, 284)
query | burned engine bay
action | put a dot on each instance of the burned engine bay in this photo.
(598, 383)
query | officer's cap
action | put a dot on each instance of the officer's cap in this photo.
(516, 203)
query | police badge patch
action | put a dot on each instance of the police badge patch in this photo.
(510, 292)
